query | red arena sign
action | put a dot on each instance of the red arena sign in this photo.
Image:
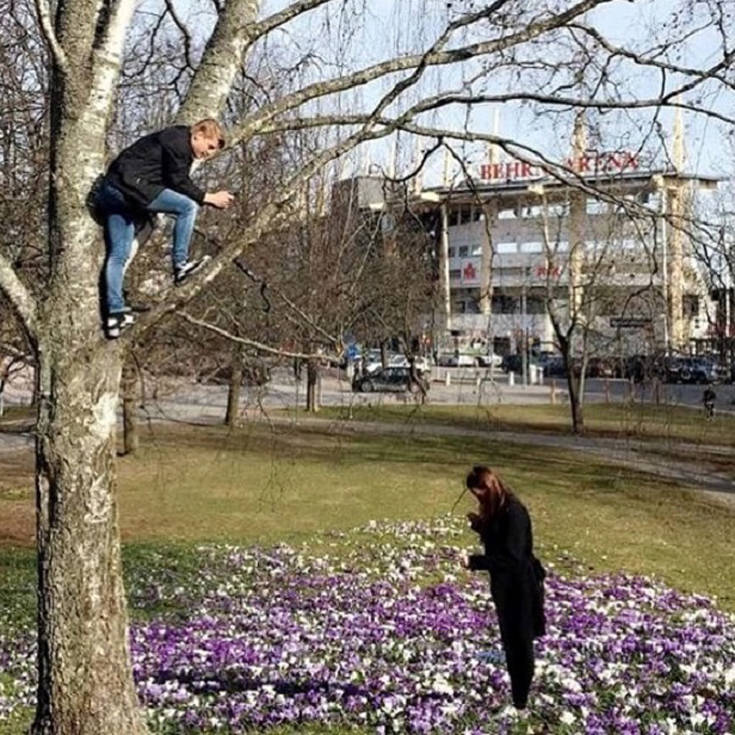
(590, 163)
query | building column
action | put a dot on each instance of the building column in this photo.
(675, 275)
(444, 288)
(577, 220)
(486, 264)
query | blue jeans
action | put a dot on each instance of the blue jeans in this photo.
(122, 223)
(184, 210)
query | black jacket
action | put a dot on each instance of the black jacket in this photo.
(517, 589)
(158, 161)
(516, 575)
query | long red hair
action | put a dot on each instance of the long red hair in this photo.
(495, 492)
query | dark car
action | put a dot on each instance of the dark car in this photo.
(388, 379)
(514, 363)
(694, 370)
(600, 367)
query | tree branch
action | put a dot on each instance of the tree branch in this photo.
(253, 343)
(641, 60)
(108, 55)
(222, 58)
(437, 58)
(266, 25)
(299, 312)
(19, 296)
(43, 12)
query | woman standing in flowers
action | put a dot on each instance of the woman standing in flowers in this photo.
(516, 575)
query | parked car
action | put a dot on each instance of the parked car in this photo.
(422, 363)
(455, 359)
(487, 359)
(390, 379)
(600, 367)
(372, 361)
(514, 363)
(694, 370)
(554, 367)
(646, 367)
(463, 360)
(398, 361)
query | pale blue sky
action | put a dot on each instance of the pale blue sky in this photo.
(393, 25)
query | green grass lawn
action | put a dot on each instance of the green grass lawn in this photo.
(261, 486)
(255, 485)
(643, 421)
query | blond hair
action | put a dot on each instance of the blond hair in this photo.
(210, 129)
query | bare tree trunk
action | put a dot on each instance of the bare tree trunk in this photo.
(85, 680)
(85, 677)
(573, 385)
(312, 380)
(233, 393)
(129, 385)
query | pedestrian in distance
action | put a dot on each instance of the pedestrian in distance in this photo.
(708, 399)
(516, 575)
(153, 176)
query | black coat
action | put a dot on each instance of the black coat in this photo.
(517, 589)
(161, 160)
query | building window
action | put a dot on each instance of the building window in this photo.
(504, 304)
(455, 274)
(532, 247)
(690, 306)
(535, 305)
(463, 250)
(507, 213)
(506, 247)
(509, 272)
(451, 252)
(471, 306)
(452, 217)
(465, 215)
(596, 206)
(476, 250)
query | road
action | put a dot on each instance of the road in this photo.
(185, 400)
(181, 400)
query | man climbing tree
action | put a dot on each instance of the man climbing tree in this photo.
(151, 176)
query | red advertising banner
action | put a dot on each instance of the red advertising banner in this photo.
(470, 271)
(590, 163)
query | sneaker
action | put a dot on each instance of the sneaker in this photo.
(116, 322)
(188, 268)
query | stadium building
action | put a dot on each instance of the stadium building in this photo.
(519, 249)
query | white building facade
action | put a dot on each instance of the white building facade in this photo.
(611, 253)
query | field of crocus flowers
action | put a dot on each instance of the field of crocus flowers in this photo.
(379, 629)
